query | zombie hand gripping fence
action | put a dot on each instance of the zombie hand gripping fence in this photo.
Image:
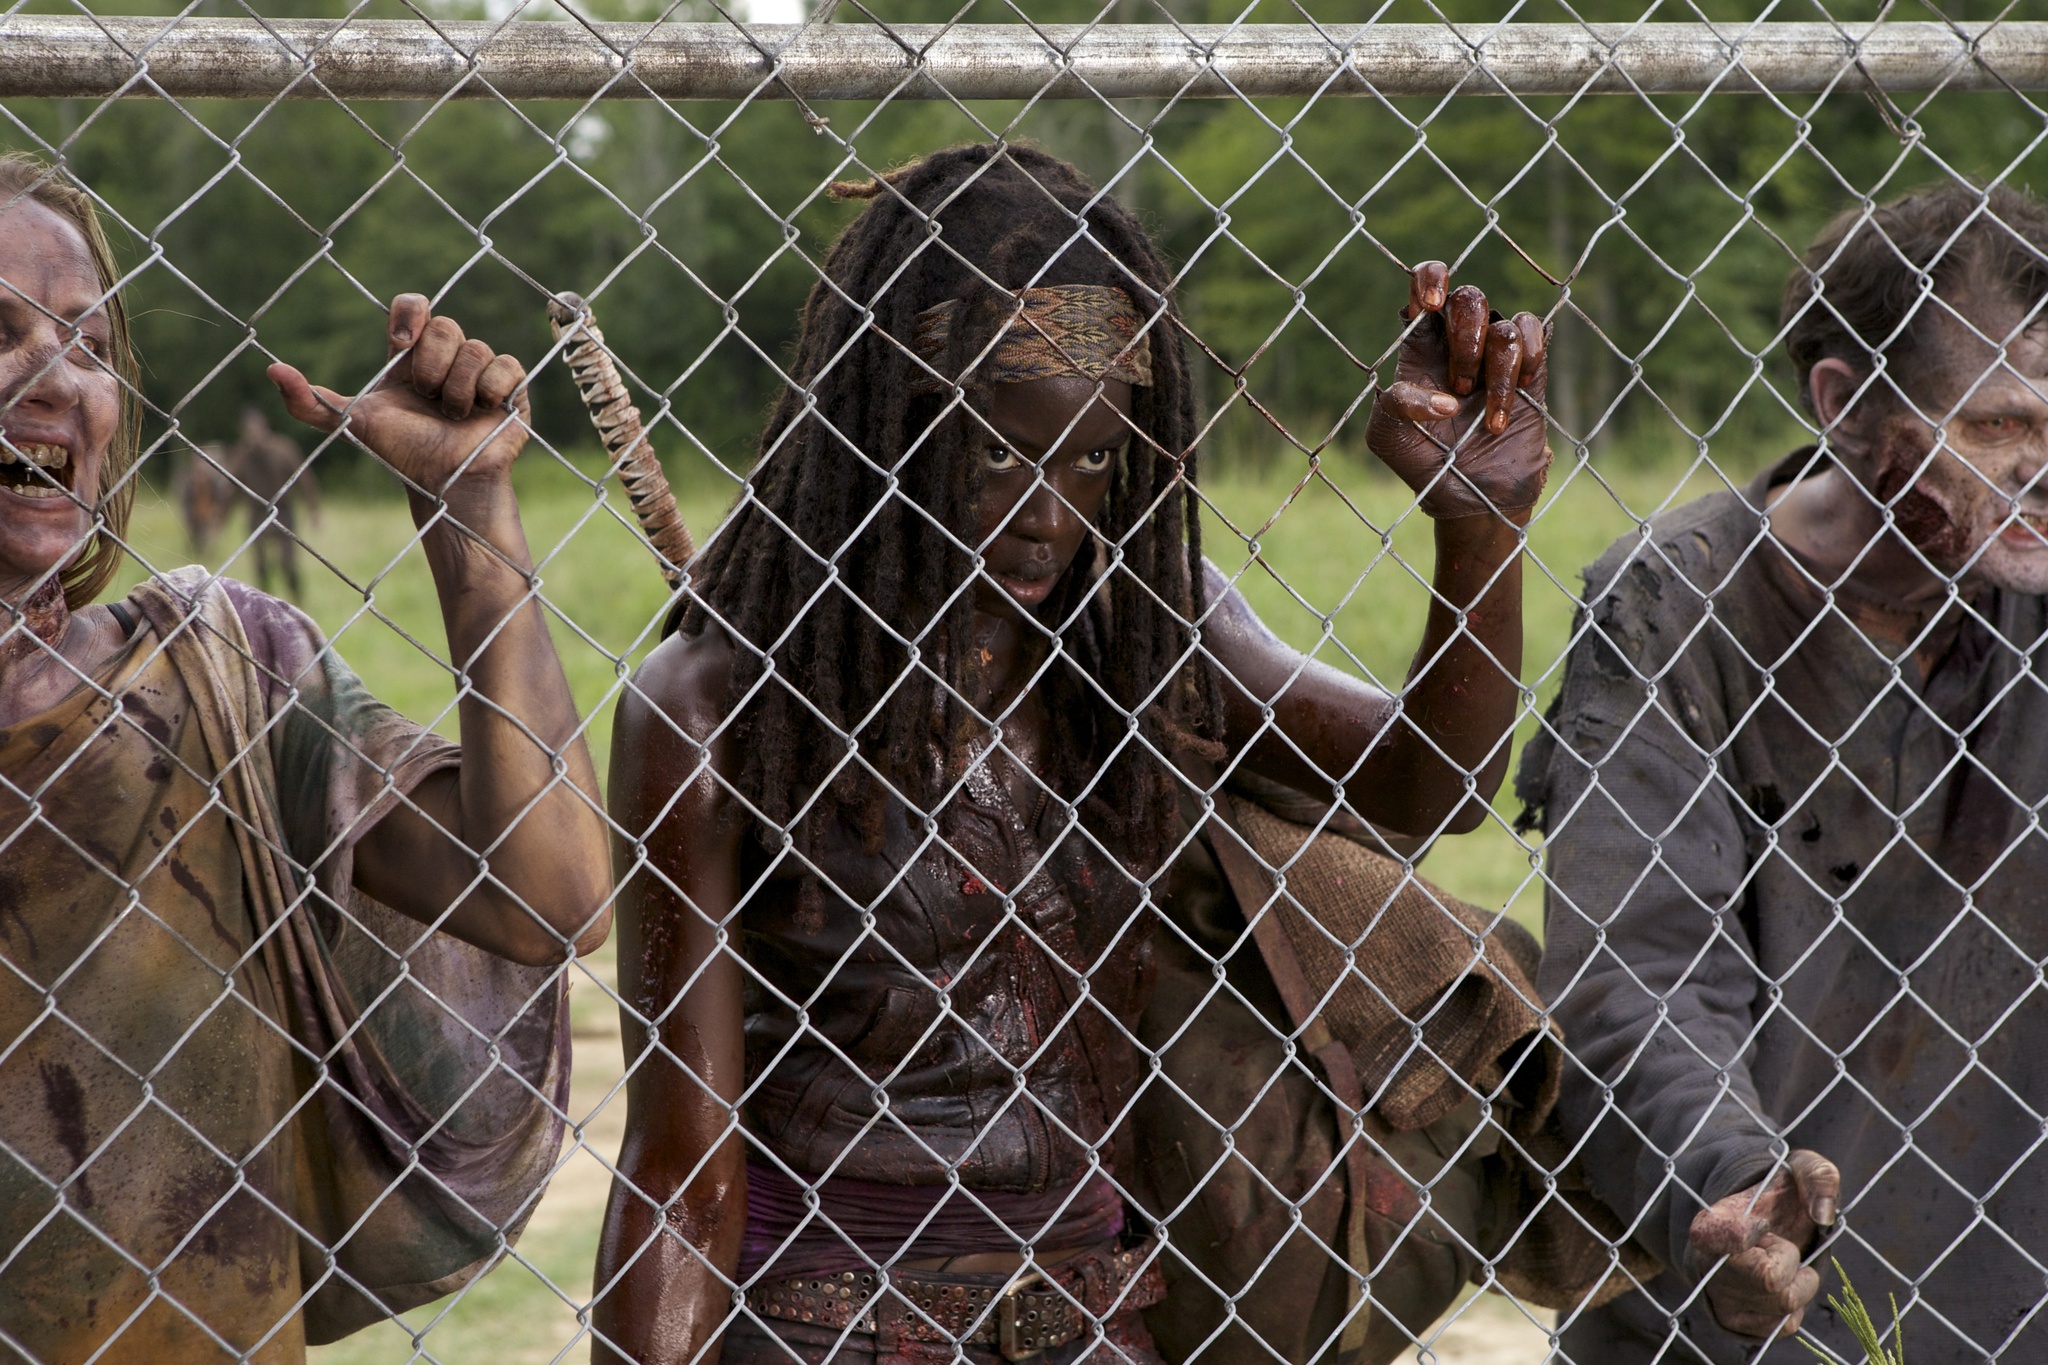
(1064, 906)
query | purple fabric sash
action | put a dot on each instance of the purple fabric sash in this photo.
(860, 1223)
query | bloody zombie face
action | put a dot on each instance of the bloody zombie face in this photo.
(1051, 457)
(59, 400)
(1964, 438)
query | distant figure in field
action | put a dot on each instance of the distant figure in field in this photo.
(205, 496)
(275, 479)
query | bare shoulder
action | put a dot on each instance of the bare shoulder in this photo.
(1236, 638)
(1230, 612)
(685, 682)
(671, 731)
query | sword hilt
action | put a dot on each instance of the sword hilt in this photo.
(618, 425)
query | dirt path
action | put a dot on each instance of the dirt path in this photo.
(1487, 1329)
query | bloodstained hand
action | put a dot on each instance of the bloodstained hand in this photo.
(1468, 393)
(1750, 1247)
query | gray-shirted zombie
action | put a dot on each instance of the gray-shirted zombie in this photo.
(1795, 918)
(278, 1054)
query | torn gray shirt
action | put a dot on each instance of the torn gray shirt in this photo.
(1799, 897)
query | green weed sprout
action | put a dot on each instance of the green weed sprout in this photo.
(1862, 1327)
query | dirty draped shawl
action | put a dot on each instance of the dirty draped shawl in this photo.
(1434, 1001)
(222, 1063)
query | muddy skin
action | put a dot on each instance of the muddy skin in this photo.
(55, 390)
(1956, 501)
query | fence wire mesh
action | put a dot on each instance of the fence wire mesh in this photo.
(1028, 943)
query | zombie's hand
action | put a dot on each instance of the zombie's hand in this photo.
(1760, 1289)
(1458, 364)
(449, 408)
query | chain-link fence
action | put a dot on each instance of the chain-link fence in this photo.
(1102, 867)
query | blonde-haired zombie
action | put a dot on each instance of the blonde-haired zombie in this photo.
(277, 1057)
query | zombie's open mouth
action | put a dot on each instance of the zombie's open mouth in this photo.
(35, 470)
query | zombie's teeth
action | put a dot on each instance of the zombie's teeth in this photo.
(35, 452)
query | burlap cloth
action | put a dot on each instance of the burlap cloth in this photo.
(1421, 987)
(1436, 1001)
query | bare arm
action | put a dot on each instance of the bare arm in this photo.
(678, 1203)
(1460, 703)
(1463, 425)
(451, 417)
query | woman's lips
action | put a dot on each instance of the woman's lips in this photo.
(1028, 591)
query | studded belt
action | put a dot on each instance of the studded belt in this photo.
(1020, 1315)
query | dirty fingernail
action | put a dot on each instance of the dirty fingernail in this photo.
(1444, 404)
(1497, 423)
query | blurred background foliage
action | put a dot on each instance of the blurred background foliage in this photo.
(1655, 232)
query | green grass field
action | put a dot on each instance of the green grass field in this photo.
(1332, 578)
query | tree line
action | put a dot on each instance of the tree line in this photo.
(1657, 231)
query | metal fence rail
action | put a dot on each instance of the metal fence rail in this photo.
(413, 59)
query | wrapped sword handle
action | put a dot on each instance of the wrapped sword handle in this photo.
(618, 426)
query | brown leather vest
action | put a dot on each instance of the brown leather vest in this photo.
(900, 1013)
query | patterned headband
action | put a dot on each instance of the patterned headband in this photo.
(1090, 330)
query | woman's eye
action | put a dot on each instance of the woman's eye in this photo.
(1096, 461)
(1001, 458)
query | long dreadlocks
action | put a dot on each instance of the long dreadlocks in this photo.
(849, 565)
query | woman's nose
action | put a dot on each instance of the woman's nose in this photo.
(1043, 515)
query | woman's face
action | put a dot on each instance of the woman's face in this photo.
(60, 404)
(1050, 461)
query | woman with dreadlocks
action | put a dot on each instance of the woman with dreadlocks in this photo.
(913, 739)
